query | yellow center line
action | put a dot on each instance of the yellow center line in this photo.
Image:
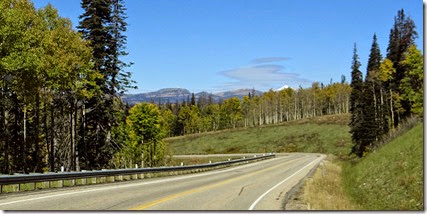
(206, 187)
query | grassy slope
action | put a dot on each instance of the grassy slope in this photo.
(328, 134)
(392, 177)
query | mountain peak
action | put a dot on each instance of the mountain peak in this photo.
(174, 95)
(283, 87)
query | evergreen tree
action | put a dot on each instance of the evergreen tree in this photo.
(120, 79)
(193, 99)
(373, 84)
(368, 127)
(374, 58)
(94, 26)
(94, 146)
(402, 36)
(371, 120)
(356, 102)
(103, 24)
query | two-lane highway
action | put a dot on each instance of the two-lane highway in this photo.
(258, 186)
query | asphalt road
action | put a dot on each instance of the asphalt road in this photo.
(259, 186)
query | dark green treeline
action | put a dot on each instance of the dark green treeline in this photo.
(392, 90)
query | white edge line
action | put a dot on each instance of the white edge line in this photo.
(268, 191)
(139, 184)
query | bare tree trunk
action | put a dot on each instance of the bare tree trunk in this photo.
(52, 140)
(382, 109)
(391, 109)
(46, 131)
(36, 135)
(76, 158)
(314, 106)
(72, 149)
(6, 142)
(295, 108)
(24, 151)
(375, 107)
(84, 131)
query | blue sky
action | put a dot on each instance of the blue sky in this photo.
(219, 45)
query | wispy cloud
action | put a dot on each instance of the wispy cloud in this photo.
(261, 77)
(269, 59)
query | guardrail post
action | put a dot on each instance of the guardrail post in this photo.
(118, 177)
(56, 184)
(81, 181)
(134, 176)
(10, 188)
(69, 183)
(91, 180)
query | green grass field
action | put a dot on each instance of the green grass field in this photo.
(327, 134)
(390, 178)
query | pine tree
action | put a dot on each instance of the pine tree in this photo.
(94, 26)
(356, 102)
(368, 127)
(103, 24)
(193, 99)
(373, 84)
(402, 36)
(371, 117)
(120, 79)
(374, 58)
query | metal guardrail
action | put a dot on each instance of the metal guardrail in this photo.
(32, 178)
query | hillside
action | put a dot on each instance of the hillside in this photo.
(327, 134)
(390, 178)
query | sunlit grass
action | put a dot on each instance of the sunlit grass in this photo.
(390, 178)
(321, 134)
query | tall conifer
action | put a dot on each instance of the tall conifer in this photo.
(356, 102)
(103, 24)
(380, 103)
(402, 36)
(372, 118)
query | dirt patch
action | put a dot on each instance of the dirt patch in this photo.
(296, 201)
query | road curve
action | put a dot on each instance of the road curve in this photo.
(256, 186)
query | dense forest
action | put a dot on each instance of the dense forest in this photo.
(60, 94)
(59, 89)
(392, 90)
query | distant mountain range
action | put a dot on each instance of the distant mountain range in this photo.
(174, 95)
